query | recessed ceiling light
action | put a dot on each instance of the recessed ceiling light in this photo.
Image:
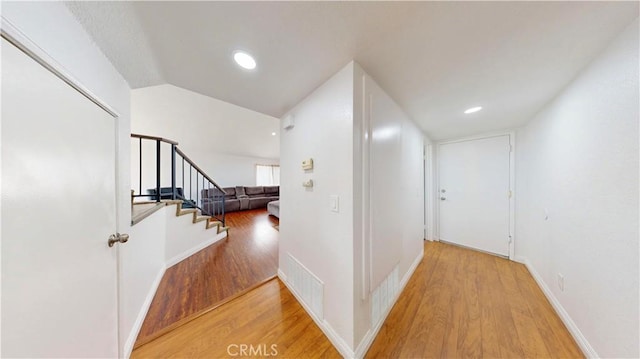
(244, 60)
(473, 109)
(273, 133)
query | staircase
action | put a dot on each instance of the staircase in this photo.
(167, 176)
(198, 217)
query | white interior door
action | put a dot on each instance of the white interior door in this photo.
(59, 296)
(474, 193)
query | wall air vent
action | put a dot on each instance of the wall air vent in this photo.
(306, 285)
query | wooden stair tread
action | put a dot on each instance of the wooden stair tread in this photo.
(153, 206)
(140, 212)
(197, 218)
(182, 212)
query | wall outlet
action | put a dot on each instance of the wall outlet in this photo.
(561, 282)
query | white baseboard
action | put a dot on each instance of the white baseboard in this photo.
(137, 325)
(326, 328)
(191, 251)
(368, 339)
(583, 343)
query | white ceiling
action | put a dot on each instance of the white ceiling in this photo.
(436, 59)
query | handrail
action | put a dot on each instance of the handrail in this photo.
(200, 170)
(147, 137)
(214, 203)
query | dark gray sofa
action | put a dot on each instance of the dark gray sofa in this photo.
(259, 196)
(239, 198)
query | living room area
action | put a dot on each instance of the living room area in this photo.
(235, 146)
(236, 149)
(231, 172)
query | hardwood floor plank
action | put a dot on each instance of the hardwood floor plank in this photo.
(455, 313)
(557, 337)
(531, 339)
(426, 340)
(487, 285)
(268, 315)
(247, 257)
(402, 314)
(470, 338)
(508, 340)
(478, 305)
(459, 303)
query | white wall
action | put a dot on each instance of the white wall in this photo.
(389, 211)
(225, 140)
(144, 273)
(156, 243)
(183, 236)
(330, 127)
(412, 195)
(62, 40)
(577, 161)
(232, 170)
(320, 239)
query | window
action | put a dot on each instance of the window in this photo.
(267, 175)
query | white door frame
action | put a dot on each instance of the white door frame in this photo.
(21, 41)
(16, 37)
(436, 178)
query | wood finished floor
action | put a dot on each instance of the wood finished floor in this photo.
(265, 316)
(247, 257)
(462, 304)
(458, 304)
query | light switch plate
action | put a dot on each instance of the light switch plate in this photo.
(334, 203)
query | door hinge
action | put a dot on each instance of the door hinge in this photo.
(510, 239)
(510, 148)
(509, 194)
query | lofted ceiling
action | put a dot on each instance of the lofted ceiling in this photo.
(436, 59)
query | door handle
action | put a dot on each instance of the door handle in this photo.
(443, 198)
(118, 238)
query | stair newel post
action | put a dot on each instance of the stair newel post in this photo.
(158, 170)
(173, 171)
